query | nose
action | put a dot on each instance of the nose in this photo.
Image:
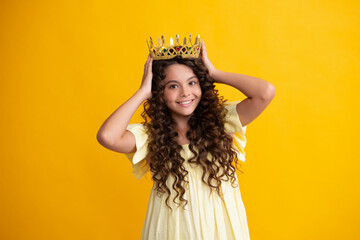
(185, 92)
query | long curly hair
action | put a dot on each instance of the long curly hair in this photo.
(211, 145)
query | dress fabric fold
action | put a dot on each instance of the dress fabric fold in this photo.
(206, 216)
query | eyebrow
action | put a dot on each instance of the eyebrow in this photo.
(178, 81)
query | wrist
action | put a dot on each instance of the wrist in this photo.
(144, 94)
(213, 74)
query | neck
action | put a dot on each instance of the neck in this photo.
(182, 129)
(182, 125)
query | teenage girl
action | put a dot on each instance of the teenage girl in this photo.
(189, 141)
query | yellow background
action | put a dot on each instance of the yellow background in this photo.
(67, 65)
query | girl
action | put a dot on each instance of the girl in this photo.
(189, 140)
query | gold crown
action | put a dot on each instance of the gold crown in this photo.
(164, 51)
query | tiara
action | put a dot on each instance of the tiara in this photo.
(164, 51)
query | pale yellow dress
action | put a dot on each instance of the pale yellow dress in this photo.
(205, 216)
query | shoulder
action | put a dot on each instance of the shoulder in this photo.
(139, 132)
(136, 125)
(232, 122)
(136, 128)
(231, 106)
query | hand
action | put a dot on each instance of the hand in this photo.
(147, 78)
(205, 59)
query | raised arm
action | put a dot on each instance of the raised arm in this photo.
(113, 134)
(259, 92)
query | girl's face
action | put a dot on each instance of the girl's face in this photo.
(182, 90)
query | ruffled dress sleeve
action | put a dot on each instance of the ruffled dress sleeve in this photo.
(139, 163)
(233, 125)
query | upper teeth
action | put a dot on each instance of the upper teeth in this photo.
(186, 102)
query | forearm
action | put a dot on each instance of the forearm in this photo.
(115, 125)
(252, 87)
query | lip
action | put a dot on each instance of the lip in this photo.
(186, 105)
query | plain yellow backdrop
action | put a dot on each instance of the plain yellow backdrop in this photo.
(67, 65)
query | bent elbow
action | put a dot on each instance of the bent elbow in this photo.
(270, 92)
(102, 139)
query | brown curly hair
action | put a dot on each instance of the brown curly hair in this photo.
(215, 152)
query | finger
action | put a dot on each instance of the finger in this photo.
(202, 53)
(146, 65)
(150, 64)
(203, 49)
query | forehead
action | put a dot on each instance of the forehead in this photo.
(178, 72)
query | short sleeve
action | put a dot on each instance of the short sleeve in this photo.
(139, 163)
(233, 125)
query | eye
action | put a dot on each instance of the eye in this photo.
(192, 82)
(173, 86)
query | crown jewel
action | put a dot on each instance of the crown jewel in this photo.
(164, 51)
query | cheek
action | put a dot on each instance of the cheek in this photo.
(169, 95)
(198, 92)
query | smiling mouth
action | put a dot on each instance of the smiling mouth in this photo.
(186, 102)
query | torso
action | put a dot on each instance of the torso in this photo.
(180, 141)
